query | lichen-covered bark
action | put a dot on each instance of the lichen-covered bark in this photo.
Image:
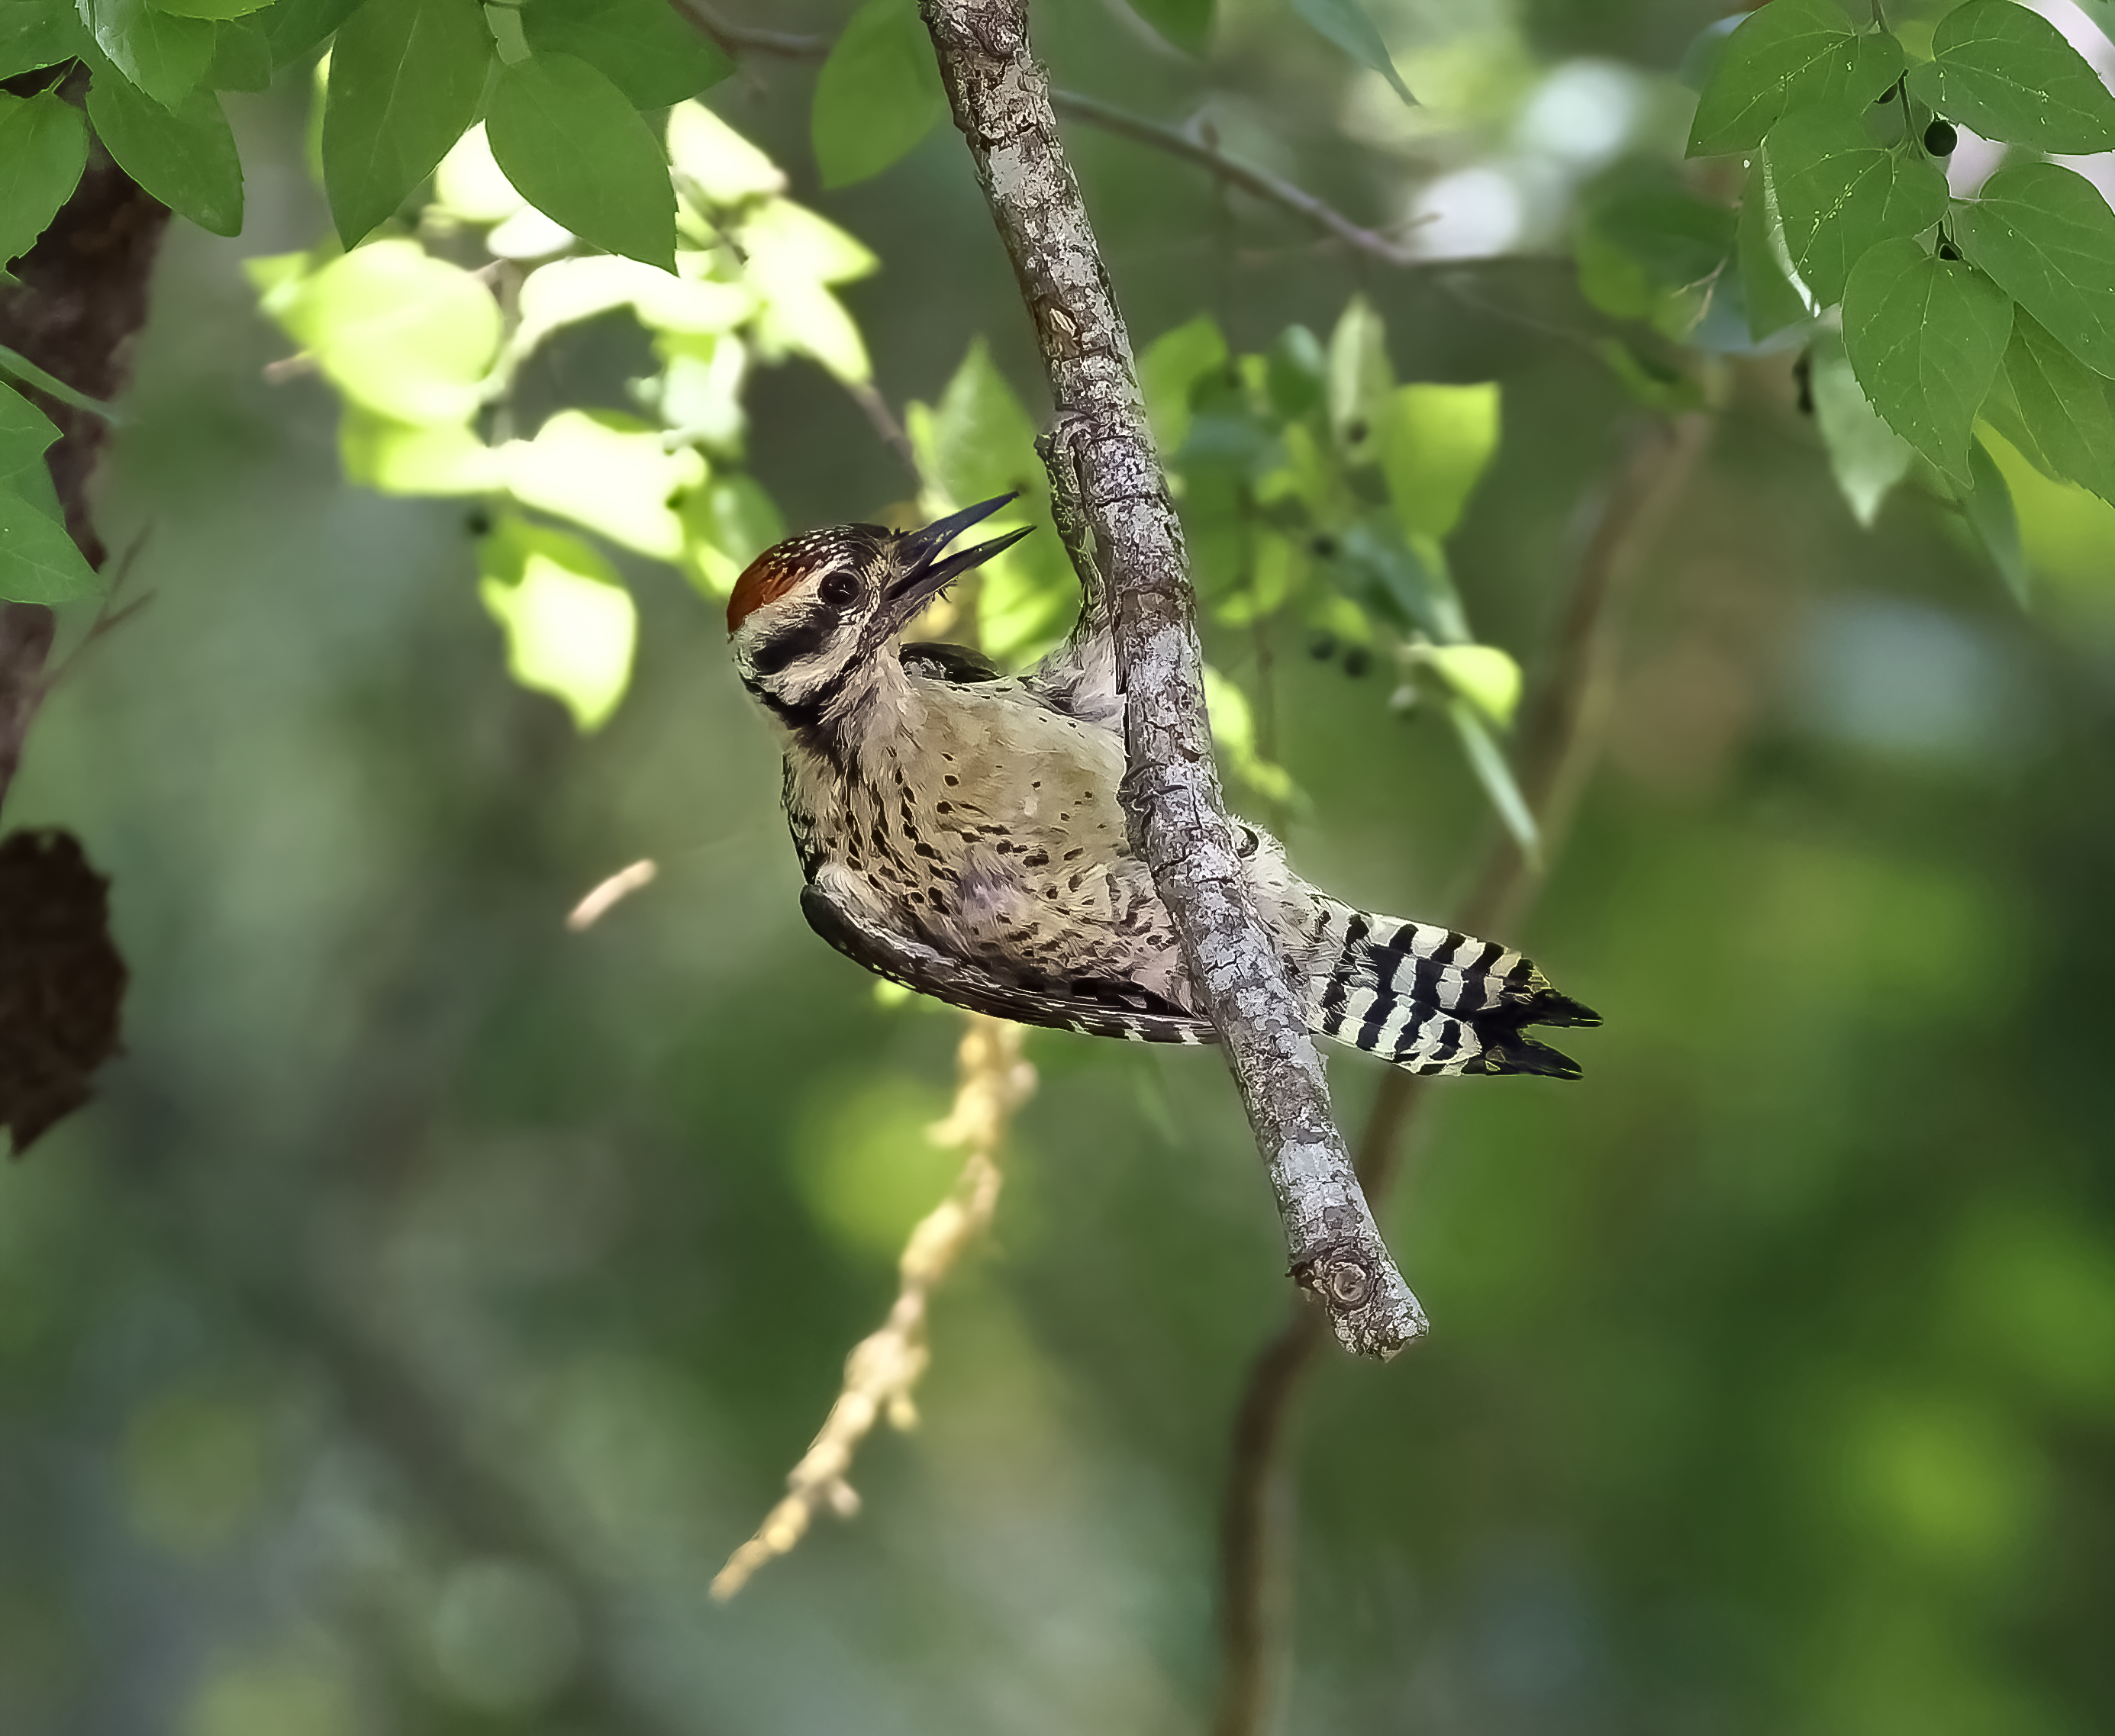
(1000, 99)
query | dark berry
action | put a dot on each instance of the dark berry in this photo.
(1323, 545)
(1355, 432)
(1357, 660)
(1939, 137)
(1322, 647)
(479, 524)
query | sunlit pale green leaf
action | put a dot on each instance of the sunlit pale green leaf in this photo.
(42, 145)
(1185, 23)
(1924, 336)
(1347, 24)
(566, 292)
(1361, 379)
(1866, 457)
(1775, 299)
(1485, 676)
(210, 8)
(1838, 195)
(1168, 367)
(2047, 237)
(1988, 504)
(2066, 422)
(571, 141)
(404, 458)
(185, 156)
(699, 390)
(1487, 759)
(571, 626)
(1786, 55)
(405, 77)
(724, 167)
(609, 473)
(470, 186)
(726, 524)
(408, 335)
(643, 47)
(793, 254)
(1234, 734)
(1437, 443)
(878, 94)
(2007, 72)
(163, 56)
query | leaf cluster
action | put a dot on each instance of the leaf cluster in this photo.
(1966, 322)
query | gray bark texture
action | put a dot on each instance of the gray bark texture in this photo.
(1000, 98)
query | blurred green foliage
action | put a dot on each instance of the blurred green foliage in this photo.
(435, 1295)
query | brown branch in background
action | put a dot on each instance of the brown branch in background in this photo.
(885, 1366)
(1560, 740)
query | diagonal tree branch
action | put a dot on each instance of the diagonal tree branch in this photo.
(1000, 99)
(1560, 740)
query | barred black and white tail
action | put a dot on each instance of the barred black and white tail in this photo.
(1432, 1001)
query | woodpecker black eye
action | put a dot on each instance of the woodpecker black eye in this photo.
(1939, 139)
(838, 589)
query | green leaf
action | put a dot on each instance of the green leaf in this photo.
(1402, 576)
(43, 147)
(1838, 193)
(716, 162)
(406, 334)
(1487, 677)
(878, 94)
(643, 47)
(609, 473)
(405, 458)
(241, 55)
(571, 141)
(1345, 24)
(1866, 457)
(1185, 23)
(1169, 367)
(2047, 237)
(35, 33)
(1361, 379)
(1234, 734)
(1487, 761)
(295, 27)
(405, 80)
(570, 624)
(14, 362)
(2008, 73)
(1437, 443)
(1924, 336)
(2066, 421)
(39, 562)
(210, 9)
(1650, 249)
(1786, 55)
(1988, 504)
(1774, 299)
(185, 156)
(165, 56)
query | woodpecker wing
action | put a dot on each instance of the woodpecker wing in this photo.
(1092, 1008)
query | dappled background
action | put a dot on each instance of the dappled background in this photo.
(434, 1296)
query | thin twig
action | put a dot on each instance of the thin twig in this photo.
(885, 1366)
(1560, 740)
(1259, 183)
(1139, 605)
(882, 419)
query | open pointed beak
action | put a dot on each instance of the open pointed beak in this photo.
(926, 574)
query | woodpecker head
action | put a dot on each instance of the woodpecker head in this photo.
(815, 617)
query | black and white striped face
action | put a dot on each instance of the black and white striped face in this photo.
(811, 617)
